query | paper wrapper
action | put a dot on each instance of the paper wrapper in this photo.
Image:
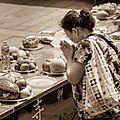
(60, 36)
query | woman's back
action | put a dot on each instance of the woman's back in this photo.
(97, 82)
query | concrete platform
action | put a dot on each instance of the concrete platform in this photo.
(20, 18)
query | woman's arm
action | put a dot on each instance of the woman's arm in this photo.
(75, 71)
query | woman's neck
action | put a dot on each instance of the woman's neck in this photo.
(86, 32)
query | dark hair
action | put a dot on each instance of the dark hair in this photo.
(75, 19)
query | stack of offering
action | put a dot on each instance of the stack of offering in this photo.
(24, 62)
(54, 66)
(106, 11)
(31, 43)
(13, 87)
(46, 36)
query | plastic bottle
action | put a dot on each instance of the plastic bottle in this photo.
(1, 64)
(5, 55)
(5, 48)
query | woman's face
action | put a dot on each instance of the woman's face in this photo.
(75, 36)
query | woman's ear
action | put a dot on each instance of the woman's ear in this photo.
(74, 30)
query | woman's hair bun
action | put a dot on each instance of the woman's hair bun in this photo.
(86, 19)
(84, 14)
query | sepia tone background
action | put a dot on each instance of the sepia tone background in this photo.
(20, 18)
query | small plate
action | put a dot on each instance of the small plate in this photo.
(17, 100)
(53, 74)
(40, 46)
(41, 81)
(28, 71)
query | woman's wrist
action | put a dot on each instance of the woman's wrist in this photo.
(70, 59)
(69, 62)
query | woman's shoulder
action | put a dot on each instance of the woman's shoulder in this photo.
(84, 44)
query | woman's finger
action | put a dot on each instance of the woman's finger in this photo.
(62, 43)
(66, 44)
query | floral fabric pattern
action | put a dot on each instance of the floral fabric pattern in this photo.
(98, 84)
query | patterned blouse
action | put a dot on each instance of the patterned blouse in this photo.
(87, 94)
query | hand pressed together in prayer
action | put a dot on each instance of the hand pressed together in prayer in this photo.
(67, 49)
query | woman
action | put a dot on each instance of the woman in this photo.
(85, 62)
